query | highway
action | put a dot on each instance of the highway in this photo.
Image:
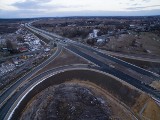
(73, 46)
(10, 95)
(123, 63)
(106, 68)
(7, 93)
(71, 42)
(153, 59)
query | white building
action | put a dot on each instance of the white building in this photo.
(93, 34)
(6, 67)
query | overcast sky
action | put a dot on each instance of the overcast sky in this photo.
(59, 8)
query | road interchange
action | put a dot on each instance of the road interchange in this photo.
(79, 49)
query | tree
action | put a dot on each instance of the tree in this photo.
(20, 38)
(90, 42)
(9, 45)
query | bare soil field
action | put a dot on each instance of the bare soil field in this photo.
(78, 99)
(151, 110)
(151, 66)
(156, 84)
(65, 58)
(122, 100)
(146, 43)
(70, 101)
(146, 108)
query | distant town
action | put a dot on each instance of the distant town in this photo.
(107, 32)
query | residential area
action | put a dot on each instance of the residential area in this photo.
(61, 56)
(117, 34)
(20, 52)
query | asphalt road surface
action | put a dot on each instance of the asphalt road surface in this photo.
(73, 46)
(6, 94)
(8, 97)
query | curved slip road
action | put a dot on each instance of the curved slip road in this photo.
(73, 46)
(7, 93)
(10, 105)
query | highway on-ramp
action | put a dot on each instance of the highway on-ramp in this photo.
(8, 107)
(9, 91)
(71, 42)
(73, 46)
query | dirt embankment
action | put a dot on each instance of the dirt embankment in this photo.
(121, 97)
(151, 66)
(67, 102)
(75, 100)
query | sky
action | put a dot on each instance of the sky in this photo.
(62, 8)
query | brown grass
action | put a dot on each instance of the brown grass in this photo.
(146, 108)
(156, 84)
(65, 58)
(149, 41)
(152, 110)
(140, 103)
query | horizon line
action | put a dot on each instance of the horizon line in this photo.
(81, 16)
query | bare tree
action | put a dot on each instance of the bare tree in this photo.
(9, 45)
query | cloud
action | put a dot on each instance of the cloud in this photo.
(26, 4)
(30, 4)
(146, 0)
(8, 8)
(44, 8)
(40, 5)
(143, 7)
(136, 4)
